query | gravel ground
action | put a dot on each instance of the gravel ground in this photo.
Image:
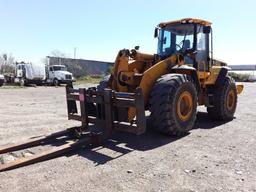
(213, 157)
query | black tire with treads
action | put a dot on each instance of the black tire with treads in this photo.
(91, 107)
(163, 104)
(220, 111)
(103, 84)
(56, 82)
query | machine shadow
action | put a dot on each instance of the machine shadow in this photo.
(122, 143)
(203, 121)
(118, 145)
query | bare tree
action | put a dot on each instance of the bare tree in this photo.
(54, 53)
(7, 64)
(58, 53)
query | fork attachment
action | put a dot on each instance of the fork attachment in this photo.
(106, 110)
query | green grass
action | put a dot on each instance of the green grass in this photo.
(239, 77)
(89, 79)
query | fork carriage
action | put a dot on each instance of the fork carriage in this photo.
(99, 108)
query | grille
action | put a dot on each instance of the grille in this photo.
(68, 77)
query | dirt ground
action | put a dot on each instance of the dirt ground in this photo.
(213, 157)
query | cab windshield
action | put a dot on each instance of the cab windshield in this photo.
(175, 38)
(59, 68)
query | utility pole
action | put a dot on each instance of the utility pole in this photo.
(75, 52)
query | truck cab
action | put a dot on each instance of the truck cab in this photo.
(20, 70)
(58, 74)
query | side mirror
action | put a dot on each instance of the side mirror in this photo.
(156, 32)
(206, 29)
(137, 47)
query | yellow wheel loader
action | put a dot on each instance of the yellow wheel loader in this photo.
(169, 84)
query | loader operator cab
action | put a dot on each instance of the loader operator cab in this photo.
(191, 38)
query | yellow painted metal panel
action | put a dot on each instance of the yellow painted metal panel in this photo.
(149, 78)
(189, 20)
(239, 88)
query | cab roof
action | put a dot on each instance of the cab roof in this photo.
(186, 20)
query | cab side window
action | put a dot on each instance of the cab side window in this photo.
(202, 52)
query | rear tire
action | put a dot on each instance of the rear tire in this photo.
(173, 104)
(225, 101)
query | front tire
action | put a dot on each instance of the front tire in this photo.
(225, 101)
(56, 82)
(22, 82)
(173, 104)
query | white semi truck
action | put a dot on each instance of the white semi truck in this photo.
(58, 74)
(28, 73)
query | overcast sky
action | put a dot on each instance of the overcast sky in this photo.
(31, 29)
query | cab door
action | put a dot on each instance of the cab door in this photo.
(202, 48)
(51, 72)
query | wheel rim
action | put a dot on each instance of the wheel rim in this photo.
(185, 106)
(230, 100)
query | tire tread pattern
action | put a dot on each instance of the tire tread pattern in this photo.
(162, 101)
(219, 111)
